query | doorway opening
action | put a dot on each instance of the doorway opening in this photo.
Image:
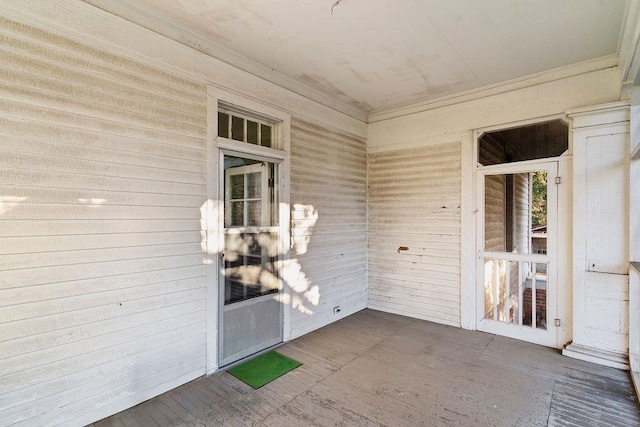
(517, 231)
(250, 292)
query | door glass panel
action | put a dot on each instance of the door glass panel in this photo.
(250, 265)
(251, 229)
(515, 237)
(237, 187)
(265, 135)
(237, 128)
(252, 132)
(536, 141)
(515, 212)
(509, 296)
(237, 213)
(254, 185)
(254, 212)
(223, 125)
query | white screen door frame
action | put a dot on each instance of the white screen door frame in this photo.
(250, 323)
(219, 100)
(496, 270)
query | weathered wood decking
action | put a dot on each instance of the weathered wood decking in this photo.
(375, 368)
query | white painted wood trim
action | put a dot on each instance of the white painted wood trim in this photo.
(509, 256)
(579, 238)
(634, 125)
(285, 220)
(564, 248)
(634, 236)
(220, 239)
(468, 289)
(599, 115)
(212, 229)
(528, 165)
(634, 317)
(591, 122)
(589, 354)
(218, 148)
(255, 151)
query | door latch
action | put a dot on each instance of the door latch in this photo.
(557, 322)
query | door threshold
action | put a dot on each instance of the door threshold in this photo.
(246, 358)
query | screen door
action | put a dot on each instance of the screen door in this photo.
(517, 254)
(250, 286)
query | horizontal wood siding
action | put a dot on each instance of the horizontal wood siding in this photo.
(329, 223)
(414, 202)
(522, 214)
(495, 213)
(102, 280)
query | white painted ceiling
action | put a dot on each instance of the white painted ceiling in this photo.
(377, 55)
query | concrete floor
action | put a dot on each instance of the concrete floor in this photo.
(376, 368)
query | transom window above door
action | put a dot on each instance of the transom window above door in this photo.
(243, 128)
(536, 141)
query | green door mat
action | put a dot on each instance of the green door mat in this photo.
(264, 369)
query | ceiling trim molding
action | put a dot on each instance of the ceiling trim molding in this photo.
(187, 37)
(584, 67)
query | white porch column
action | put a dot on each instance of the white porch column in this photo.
(601, 234)
(634, 238)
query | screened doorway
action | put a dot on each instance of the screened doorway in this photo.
(517, 211)
(250, 286)
(517, 287)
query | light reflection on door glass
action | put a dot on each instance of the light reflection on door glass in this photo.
(251, 229)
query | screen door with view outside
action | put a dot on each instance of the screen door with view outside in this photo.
(517, 255)
(252, 314)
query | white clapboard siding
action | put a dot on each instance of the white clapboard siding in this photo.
(329, 222)
(522, 214)
(102, 266)
(495, 213)
(414, 201)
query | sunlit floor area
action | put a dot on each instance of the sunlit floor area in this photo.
(375, 368)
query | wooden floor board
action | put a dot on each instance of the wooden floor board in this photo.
(169, 417)
(186, 418)
(375, 368)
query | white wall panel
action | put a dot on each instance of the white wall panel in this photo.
(329, 220)
(414, 201)
(102, 281)
(601, 234)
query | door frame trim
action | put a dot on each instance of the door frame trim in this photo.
(282, 247)
(469, 224)
(212, 210)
